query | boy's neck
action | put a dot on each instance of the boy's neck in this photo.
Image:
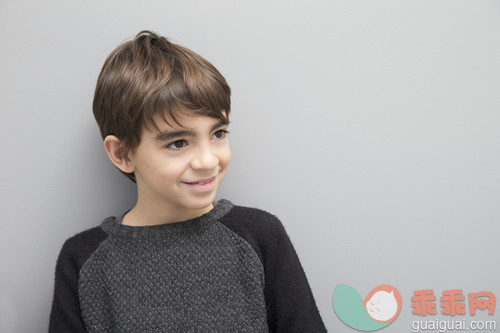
(148, 215)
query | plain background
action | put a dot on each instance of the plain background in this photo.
(370, 128)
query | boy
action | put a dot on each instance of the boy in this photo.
(177, 261)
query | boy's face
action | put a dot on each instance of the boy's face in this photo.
(181, 167)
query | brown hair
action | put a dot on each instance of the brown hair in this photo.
(149, 76)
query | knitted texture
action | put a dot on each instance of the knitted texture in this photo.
(233, 269)
(194, 276)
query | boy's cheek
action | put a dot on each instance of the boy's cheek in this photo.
(226, 158)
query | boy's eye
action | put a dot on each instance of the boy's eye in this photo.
(220, 134)
(177, 145)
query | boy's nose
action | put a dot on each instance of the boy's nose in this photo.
(205, 159)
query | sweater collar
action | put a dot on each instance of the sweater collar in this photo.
(113, 226)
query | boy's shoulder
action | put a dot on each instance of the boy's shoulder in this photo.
(78, 248)
(85, 239)
(263, 230)
(254, 220)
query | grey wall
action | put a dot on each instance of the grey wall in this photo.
(371, 128)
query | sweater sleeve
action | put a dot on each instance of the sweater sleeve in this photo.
(291, 307)
(65, 315)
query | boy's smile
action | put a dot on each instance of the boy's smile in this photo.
(178, 169)
(203, 185)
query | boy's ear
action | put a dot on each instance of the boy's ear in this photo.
(117, 155)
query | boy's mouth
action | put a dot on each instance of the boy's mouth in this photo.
(201, 181)
(202, 185)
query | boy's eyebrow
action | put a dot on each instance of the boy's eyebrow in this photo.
(220, 123)
(168, 135)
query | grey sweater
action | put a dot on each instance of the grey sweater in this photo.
(230, 270)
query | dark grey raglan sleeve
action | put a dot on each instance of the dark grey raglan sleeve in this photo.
(290, 304)
(65, 315)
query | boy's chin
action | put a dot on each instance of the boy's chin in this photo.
(204, 204)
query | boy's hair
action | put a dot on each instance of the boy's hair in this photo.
(149, 76)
